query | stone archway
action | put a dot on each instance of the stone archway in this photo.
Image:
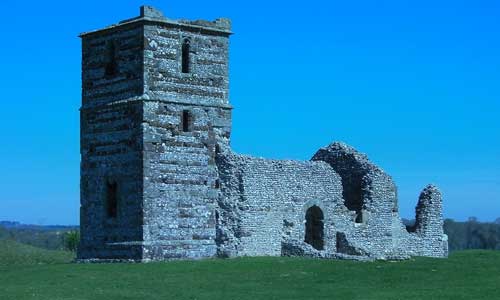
(314, 235)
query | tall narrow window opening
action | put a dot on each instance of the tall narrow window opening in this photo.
(111, 199)
(186, 120)
(314, 227)
(186, 48)
(111, 64)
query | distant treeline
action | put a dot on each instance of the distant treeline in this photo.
(18, 225)
(470, 234)
(47, 237)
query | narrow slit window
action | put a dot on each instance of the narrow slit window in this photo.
(186, 120)
(111, 199)
(186, 48)
(111, 64)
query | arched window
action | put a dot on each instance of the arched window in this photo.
(186, 120)
(111, 64)
(186, 48)
(111, 199)
(314, 227)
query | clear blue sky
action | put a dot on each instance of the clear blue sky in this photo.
(415, 84)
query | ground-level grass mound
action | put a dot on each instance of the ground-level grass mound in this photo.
(465, 275)
(14, 253)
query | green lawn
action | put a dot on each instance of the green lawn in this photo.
(465, 275)
(14, 254)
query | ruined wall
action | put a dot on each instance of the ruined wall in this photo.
(263, 203)
(426, 237)
(370, 194)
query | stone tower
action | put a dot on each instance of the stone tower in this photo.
(155, 107)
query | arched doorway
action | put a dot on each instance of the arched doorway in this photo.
(314, 227)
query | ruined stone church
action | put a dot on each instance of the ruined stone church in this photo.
(159, 179)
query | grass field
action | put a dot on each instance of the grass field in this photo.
(15, 254)
(40, 274)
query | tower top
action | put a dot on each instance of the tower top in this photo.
(149, 14)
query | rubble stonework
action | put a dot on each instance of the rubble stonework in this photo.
(159, 179)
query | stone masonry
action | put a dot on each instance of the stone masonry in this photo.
(160, 181)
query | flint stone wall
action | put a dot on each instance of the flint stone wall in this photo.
(372, 195)
(180, 194)
(263, 203)
(427, 237)
(262, 206)
(207, 83)
(111, 149)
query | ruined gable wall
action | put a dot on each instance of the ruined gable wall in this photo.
(370, 194)
(380, 233)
